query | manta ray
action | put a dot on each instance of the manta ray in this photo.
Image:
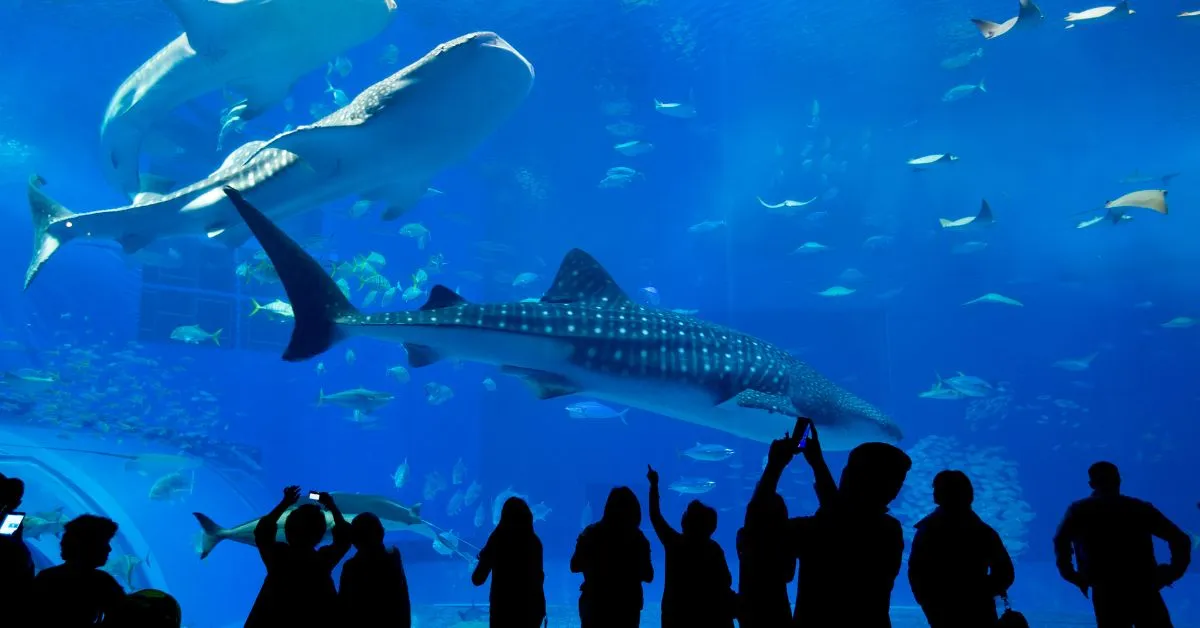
(257, 48)
(385, 146)
(585, 336)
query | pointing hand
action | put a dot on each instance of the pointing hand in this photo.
(652, 475)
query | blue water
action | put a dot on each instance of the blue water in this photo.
(1066, 115)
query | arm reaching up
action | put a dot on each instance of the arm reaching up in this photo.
(823, 483)
(267, 527)
(342, 540)
(666, 534)
(779, 456)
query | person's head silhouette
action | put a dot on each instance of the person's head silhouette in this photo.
(766, 510)
(699, 521)
(12, 491)
(873, 476)
(305, 526)
(87, 541)
(1104, 478)
(515, 516)
(622, 510)
(952, 490)
(367, 531)
(148, 608)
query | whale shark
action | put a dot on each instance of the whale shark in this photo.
(395, 517)
(256, 48)
(384, 146)
(585, 336)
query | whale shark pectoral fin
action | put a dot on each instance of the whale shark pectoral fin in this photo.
(545, 385)
(153, 188)
(321, 147)
(756, 400)
(263, 93)
(421, 355)
(398, 197)
(134, 242)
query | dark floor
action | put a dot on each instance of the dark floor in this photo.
(447, 616)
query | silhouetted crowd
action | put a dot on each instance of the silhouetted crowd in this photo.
(844, 558)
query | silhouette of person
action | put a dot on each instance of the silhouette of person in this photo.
(766, 563)
(16, 561)
(958, 564)
(374, 587)
(1106, 543)
(614, 557)
(851, 550)
(148, 608)
(298, 589)
(513, 557)
(77, 592)
(697, 589)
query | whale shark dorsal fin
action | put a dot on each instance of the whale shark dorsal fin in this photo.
(581, 279)
(154, 184)
(215, 26)
(440, 296)
(985, 212)
(1029, 11)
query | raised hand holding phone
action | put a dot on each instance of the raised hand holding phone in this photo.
(801, 432)
(11, 523)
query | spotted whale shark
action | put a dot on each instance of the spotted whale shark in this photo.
(385, 146)
(256, 48)
(585, 336)
(394, 516)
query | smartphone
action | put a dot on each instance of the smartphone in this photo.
(805, 435)
(313, 495)
(12, 523)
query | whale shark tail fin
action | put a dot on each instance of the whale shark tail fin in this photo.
(317, 302)
(211, 533)
(46, 213)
